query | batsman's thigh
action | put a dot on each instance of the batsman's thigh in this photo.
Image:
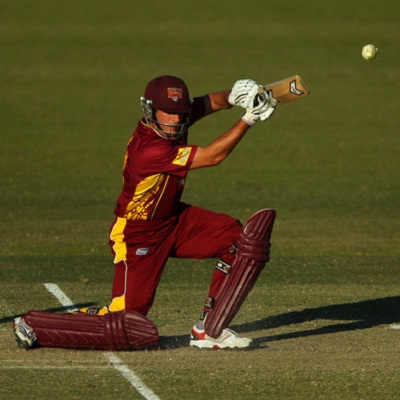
(205, 234)
(136, 280)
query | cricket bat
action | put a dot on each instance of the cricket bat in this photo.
(288, 89)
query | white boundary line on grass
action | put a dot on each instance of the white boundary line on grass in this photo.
(115, 361)
(59, 295)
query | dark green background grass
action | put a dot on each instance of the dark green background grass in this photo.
(71, 74)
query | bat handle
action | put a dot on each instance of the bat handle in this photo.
(271, 102)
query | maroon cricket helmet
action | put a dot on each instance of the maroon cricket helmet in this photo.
(169, 94)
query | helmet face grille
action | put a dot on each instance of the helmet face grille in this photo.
(173, 131)
(147, 108)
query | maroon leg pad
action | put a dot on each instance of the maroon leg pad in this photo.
(253, 248)
(123, 330)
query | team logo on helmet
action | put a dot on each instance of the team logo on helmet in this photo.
(175, 94)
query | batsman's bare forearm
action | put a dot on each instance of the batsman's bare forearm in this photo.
(220, 148)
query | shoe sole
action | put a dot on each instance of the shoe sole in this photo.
(206, 345)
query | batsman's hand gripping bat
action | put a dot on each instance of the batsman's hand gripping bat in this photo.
(287, 90)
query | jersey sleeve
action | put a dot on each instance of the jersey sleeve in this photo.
(167, 158)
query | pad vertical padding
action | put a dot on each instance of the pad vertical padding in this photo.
(124, 330)
(251, 256)
(141, 332)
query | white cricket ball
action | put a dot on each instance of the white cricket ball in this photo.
(369, 52)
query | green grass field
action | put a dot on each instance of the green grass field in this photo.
(323, 313)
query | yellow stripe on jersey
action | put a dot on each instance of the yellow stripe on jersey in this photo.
(117, 236)
(144, 197)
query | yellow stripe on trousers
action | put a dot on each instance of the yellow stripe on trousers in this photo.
(117, 236)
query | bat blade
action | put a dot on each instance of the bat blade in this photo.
(288, 89)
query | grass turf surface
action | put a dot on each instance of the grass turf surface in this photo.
(321, 313)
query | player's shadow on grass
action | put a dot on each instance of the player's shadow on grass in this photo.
(361, 315)
(60, 309)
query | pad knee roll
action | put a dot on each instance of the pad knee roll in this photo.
(124, 330)
(253, 249)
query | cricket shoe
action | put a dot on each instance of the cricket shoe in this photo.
(227, 340)
(24, 334)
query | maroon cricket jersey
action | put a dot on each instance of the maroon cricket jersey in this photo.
(155, 170)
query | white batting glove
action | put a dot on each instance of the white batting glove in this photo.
(267, 113)
(250, 117)
(243, 93)
(262, 108)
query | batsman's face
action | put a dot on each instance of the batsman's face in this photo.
(168, 122)
(169, 126)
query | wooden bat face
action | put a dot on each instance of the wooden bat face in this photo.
(288, 89)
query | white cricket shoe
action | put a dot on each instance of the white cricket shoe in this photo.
(228, 340)
(24, 334)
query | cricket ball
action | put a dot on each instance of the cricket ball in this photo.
(369, 52)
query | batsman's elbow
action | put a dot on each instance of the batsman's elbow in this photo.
(204, 158)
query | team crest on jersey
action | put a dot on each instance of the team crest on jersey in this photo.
(183, 156)
(175, 94)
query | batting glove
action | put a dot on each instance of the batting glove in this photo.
(267, 113)
(243, 93)
(250, 117)
(262, 108)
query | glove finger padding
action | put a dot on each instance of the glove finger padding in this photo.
(260, 110)
(250, 117)
(263, 101)
(243, 93)
(267, 113)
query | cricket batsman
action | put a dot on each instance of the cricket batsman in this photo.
(152, 224)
